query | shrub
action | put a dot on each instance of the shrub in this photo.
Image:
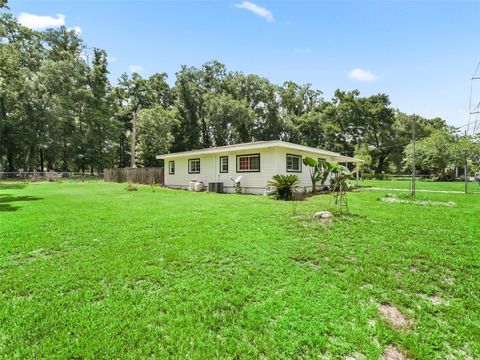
(368, 176)
(238, 188)
(286, 186)
(132, 187)
(154, 186)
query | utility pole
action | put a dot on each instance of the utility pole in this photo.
(134, 137)
(466, 168)
(358, 172)
(414, 123)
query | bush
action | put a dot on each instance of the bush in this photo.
(132, 187)
(154, 186)
(286, 186)
(368, 176)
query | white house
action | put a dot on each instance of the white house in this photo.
(255, 162)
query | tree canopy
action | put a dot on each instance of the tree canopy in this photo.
(59, 111)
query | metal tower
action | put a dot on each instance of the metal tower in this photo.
(473, 125)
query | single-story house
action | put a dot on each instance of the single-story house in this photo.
(253, 164)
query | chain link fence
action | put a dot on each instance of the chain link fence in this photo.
(49, 176)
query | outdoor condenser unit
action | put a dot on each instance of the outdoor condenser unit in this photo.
(216, 187)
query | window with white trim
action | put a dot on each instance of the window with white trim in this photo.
(248, 163)
(294, 163)
(171, 167)
(194, 166)
(224, 164)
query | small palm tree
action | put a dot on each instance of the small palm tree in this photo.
(286, 186)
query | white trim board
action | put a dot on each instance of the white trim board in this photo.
(259, 145)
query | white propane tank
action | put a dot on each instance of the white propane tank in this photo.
(198, 186)
(191, 186)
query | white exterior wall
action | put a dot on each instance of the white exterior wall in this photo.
(304, 175)
(273, 161)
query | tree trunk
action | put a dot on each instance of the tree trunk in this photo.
(381, 164)
(133, 158)
(11, 167)
(206, 139)
(27, 158)
(41, 160)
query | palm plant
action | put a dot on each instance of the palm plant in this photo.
(319, 171)
(285, 186)
(340, 175)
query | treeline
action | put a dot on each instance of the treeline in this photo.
(59, 111)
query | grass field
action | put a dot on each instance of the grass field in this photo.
(473, 187)
(89, 270)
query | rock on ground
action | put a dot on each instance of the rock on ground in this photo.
(323, 215)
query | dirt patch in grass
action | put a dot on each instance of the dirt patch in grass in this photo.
(449, 280)
(325, 221)
(437, 300)
(356, 356)
(393, 316)
(459, 354)
(308, 262)
(308, 221)
(417, 202)
(414, 268)
(392, 353)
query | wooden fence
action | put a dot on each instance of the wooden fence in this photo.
(145, 176)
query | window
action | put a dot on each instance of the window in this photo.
(194, 166)
(248, 163)
(171, 167)
(224, 164)
(294, 163)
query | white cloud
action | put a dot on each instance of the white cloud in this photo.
(135, 68)
(112, 59)
(38, 22)
(257, 10)
(77, 29)
(362, 75)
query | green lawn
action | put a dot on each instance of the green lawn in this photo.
(473, 187)
(89, 270)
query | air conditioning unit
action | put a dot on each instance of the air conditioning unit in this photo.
(216, 187)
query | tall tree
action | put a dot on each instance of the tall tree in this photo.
(58, 110)
(102, 129)
(230, 121)
(155, 133)
(131, 93)
(364, 120)
(433, 154)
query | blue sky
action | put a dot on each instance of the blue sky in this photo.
(422, 53)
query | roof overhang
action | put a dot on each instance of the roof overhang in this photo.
(348, 159)
(259, 145)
